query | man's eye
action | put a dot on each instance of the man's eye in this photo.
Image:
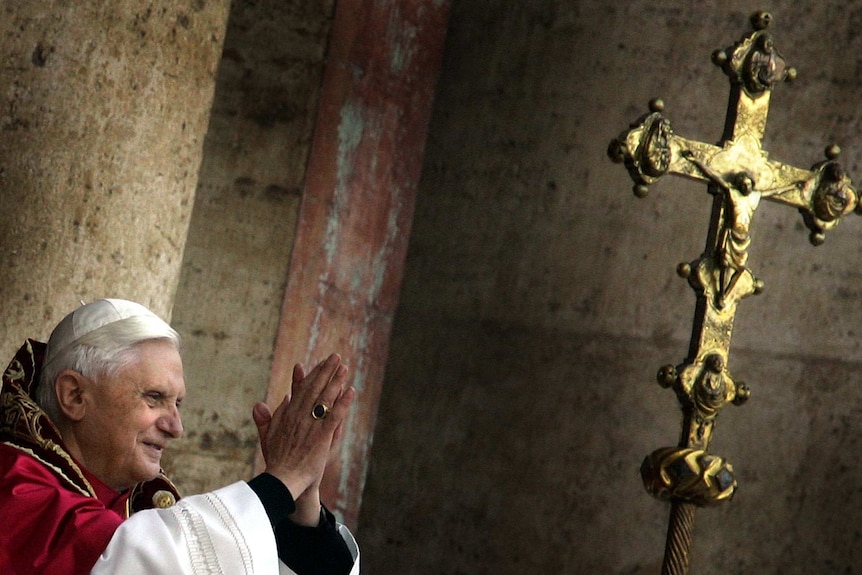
(154, 396)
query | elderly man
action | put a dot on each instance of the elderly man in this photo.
(83, 424)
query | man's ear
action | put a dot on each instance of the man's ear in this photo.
(70, 388)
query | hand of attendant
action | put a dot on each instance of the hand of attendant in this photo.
(295, 445)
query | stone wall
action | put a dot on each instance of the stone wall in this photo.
(540, 297)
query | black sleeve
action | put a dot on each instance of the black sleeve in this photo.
(307, 550)
(276, 498)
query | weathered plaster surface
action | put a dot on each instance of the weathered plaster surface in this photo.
(242, 230)
(357, 207)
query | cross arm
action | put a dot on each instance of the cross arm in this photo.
(650, 150)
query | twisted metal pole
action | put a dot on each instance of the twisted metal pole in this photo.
(679, 536)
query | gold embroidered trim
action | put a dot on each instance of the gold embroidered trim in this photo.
(55, 469)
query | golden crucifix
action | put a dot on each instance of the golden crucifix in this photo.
(739, 175)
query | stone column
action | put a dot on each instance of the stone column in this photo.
(103, 109)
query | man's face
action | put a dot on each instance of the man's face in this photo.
(132, 416)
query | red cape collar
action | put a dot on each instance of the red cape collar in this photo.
(24, 426)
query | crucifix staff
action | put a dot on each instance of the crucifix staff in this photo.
(738, 174)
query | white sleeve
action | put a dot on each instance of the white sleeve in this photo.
(352, 545)
(224, 531)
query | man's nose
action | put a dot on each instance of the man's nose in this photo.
(172, 424)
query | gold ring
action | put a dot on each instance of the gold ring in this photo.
(319, 411)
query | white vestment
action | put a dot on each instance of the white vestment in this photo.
(224, 532)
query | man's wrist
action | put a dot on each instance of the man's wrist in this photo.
(311, 517)
(291, 482)
(308, 508)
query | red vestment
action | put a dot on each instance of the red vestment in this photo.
(46, 527)
(56, 518)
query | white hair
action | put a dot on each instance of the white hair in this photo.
(102, 352)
